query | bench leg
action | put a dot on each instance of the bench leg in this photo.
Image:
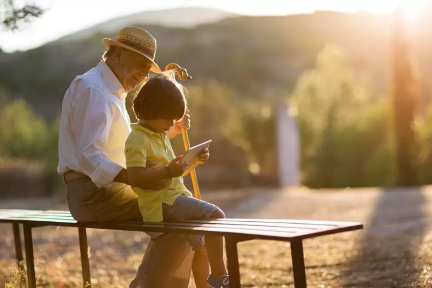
(298, 264)
(17, 239)
(18, 250)
(28, 242)
(85, 265)
(233, 262)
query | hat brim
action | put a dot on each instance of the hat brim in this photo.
(109, 42)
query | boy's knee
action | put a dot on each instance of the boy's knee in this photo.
(217, 214)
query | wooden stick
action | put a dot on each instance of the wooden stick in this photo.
(192, 173)
(183, 75)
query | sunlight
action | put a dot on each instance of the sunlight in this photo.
(60, 19)
(411, 8)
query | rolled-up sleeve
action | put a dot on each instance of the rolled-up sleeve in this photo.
(92, 118)
(136, 151)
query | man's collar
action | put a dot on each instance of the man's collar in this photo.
(111, 80)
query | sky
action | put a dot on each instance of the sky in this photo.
(63, 17)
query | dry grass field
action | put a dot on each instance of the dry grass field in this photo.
(394, 249)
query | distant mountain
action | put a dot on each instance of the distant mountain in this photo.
(178, 17)
(260, 57)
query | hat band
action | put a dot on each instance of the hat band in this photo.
(149, 53)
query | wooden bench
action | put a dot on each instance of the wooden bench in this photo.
(234, 231)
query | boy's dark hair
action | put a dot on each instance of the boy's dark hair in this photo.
(162, 97)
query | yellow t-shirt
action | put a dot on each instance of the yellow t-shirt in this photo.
(142, 145)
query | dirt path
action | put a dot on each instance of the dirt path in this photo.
(394, 249)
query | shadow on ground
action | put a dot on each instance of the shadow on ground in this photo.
(390, 244)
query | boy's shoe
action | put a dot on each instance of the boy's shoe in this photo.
(222, 282)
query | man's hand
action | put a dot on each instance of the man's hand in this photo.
(177, 128)
(160, 184)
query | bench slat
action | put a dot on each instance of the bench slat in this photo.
(189, 224)
(255, 228)
(250, 224)
(286, 224)
(264, 223)
(51, 214)
(257, 220)
(255, 234)
(238, 228)
(210, 228)
(16, 212)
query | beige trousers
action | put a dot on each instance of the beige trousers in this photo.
(167, 260)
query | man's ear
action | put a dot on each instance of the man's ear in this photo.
(118, 53)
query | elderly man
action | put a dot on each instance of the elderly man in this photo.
(93, 130)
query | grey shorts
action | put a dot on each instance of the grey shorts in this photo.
(189, 208)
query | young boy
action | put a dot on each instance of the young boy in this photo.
(159, 103)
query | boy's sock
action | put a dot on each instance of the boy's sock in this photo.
(222, 282)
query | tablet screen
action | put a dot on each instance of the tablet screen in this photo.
(194, 152)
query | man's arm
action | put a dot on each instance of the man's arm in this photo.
(122, 177)
(91, 121)
(146, 178)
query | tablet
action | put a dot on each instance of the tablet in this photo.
(194, 152)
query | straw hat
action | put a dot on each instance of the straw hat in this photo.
(138, 40)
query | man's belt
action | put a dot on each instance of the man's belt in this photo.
(72, 175)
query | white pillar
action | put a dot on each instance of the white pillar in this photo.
(288, 146)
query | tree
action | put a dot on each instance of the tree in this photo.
(405, 103)
(345, 132)
(11, 16)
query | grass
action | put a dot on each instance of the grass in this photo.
(394, 249)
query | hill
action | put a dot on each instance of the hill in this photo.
(258, 56)
(177, 17)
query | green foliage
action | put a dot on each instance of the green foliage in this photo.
(254, 131)
(25, 135)
(22, 132)
(10, 16)
(346, 135)
(241, 128)
(423, 130)
(213, 111)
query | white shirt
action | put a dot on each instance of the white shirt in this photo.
(94, 126)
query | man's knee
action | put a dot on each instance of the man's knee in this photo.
(217, 214)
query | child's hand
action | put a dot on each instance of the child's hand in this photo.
(203, 157)
(176, 167)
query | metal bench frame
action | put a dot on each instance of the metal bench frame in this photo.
(234, 231)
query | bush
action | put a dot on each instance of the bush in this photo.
(25, 135)
(346, 134)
